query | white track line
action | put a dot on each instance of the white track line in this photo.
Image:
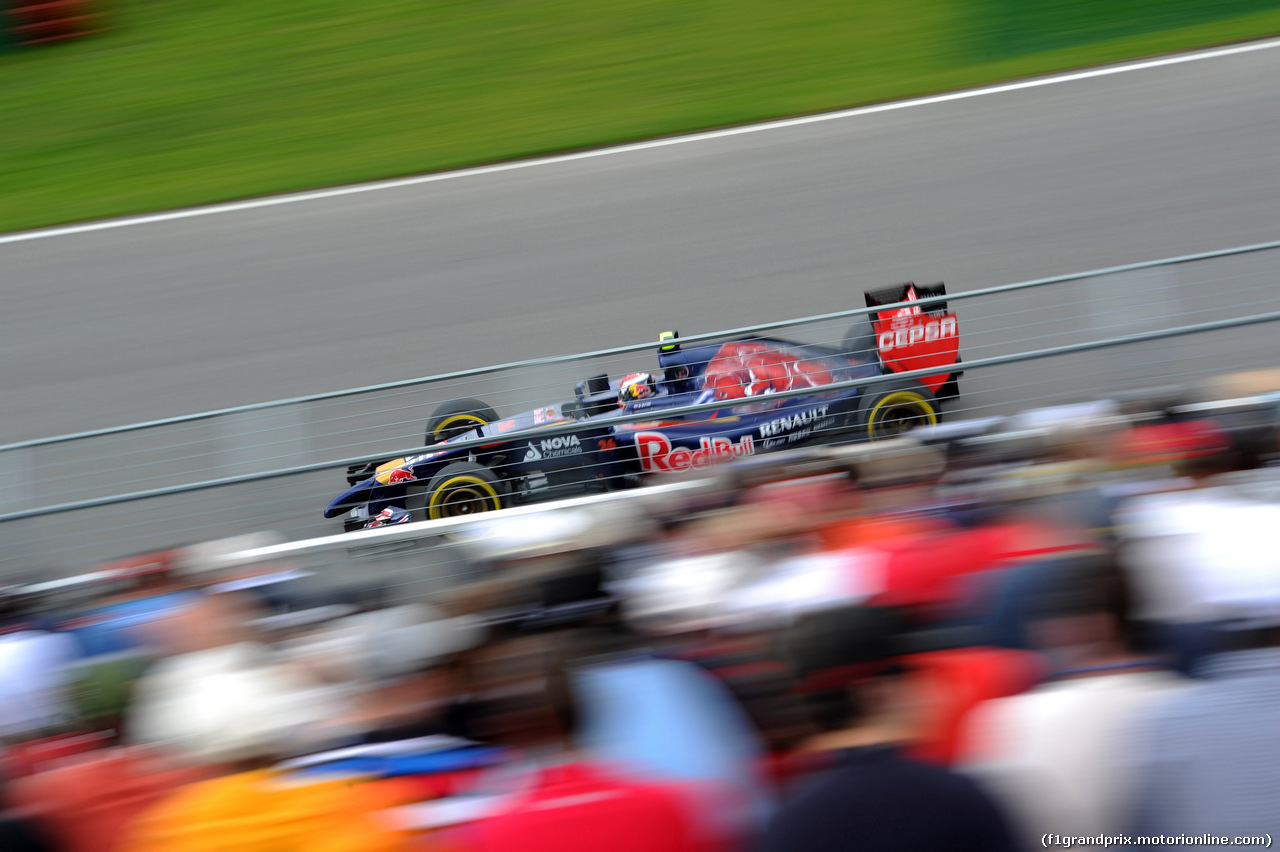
(353, 189)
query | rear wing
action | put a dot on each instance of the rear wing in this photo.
(915, 337)
(908, 292)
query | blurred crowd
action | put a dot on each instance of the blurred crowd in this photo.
(1067, 623)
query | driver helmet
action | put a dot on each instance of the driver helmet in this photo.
(636, 386)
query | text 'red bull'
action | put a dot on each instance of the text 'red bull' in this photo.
(658, 456)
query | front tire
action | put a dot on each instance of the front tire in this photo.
(894, 409)
(459, 490)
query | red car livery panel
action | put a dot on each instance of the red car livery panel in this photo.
(918, 341)
(753, 368)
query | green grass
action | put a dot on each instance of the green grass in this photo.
(1018, 27)
(187, 101)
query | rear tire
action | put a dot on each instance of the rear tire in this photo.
(894, 409)
(459, 490)
(950, 388)
(457, 418)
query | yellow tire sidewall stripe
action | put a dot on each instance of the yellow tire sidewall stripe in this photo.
(433, 506)
(899, 398)
(459, 418)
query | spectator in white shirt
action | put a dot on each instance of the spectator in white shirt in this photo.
(33, 675)
(1052, 755)
(1208, 760)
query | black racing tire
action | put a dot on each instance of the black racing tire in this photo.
(860, 340)
(950, 389)
(458, 417)
(892, 409)
(459, 490)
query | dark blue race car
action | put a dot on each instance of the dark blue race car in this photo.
(602, 454)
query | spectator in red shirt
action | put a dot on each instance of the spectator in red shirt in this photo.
(86, 803)
(20, 835)
(569, 801)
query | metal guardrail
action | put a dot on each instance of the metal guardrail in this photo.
(570, 427)
(96, 496)
(375, 543)
(434, 530)
(384, 419)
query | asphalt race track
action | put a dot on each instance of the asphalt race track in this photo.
(160, 319)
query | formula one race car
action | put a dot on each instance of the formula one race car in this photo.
(604, 455)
